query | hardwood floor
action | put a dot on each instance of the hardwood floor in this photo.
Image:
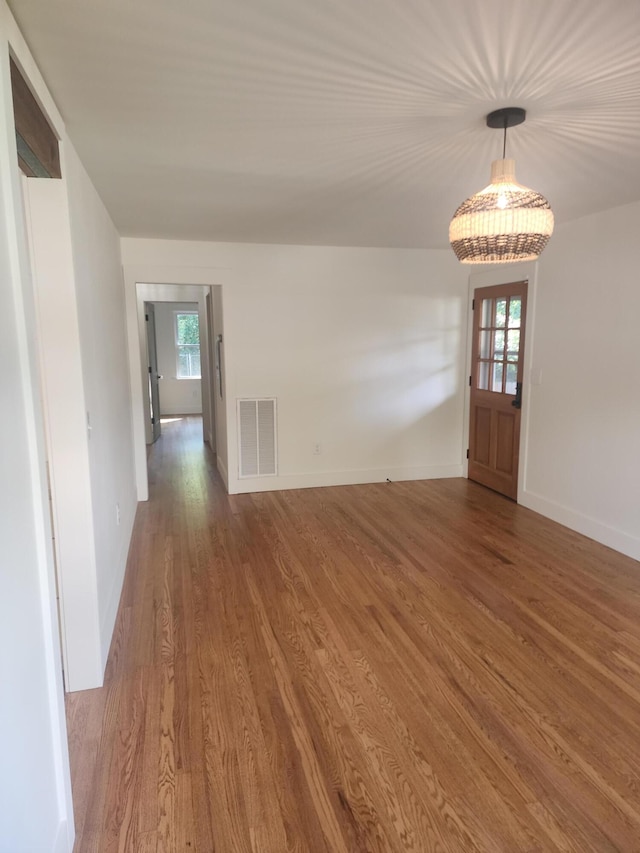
(418, 666)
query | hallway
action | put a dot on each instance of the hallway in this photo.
(390, 667)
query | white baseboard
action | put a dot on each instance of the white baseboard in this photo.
(342, 478)
(591, 527)
(185, 410)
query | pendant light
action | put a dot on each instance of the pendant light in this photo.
(504, 222)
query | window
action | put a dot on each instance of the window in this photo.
(187, 345)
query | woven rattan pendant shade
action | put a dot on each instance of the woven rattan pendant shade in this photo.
(504, 222)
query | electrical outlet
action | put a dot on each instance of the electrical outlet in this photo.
(118, 514)
(317, 448)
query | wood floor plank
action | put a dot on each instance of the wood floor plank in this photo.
(417, 666)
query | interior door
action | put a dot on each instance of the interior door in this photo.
(499, 315)
(152, 361)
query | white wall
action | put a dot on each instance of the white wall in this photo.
(35, 796)
(58, 335)
(362, 347)
(81, 332)
(177, 396)
(99, 291)
(583, 453)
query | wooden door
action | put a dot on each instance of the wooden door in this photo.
(152, 361)
(499, 315)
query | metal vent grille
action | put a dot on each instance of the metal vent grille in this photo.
(257, 437)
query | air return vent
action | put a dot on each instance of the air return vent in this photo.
(257, 437)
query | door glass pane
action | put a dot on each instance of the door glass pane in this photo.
(485, 344)
(515, 308)
(496, 384)
(498, 345)
(513, 344)
(486, 312)
(483, 376)
(512, 378)
(501, 313)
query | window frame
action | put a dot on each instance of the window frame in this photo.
(178, 344)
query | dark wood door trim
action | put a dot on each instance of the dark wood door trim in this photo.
(38, 148)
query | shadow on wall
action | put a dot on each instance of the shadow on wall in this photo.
(399, 403)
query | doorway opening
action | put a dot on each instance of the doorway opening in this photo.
(174, 360)
(178, 325)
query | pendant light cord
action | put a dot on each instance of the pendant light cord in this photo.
(504, 143)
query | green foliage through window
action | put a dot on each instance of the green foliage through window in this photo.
(188, 345)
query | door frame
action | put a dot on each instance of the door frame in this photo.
(488, 278)
(152, 424)
(174, 294)
(144, 290)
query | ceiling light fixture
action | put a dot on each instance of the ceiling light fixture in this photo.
(504, 222)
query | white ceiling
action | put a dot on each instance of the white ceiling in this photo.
(338, 122)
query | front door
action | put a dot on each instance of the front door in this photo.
(499, 315)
